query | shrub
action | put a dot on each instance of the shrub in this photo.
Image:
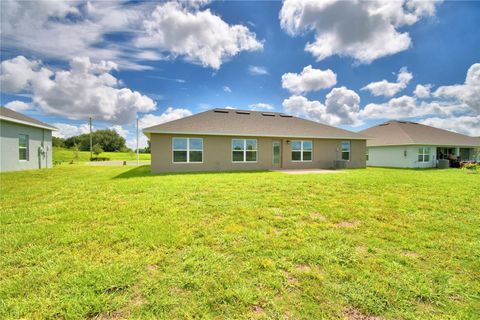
(472, 167)
(97, 149)
(99, 159)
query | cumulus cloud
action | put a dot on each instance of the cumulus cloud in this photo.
(261, 106)
(364, 30)
(18, 106)
(389, 89)
(87, 89)
(257, 70)
(341, 107)
(170, 114)
(65, 29)
(309, 79)
(120, 130)
(469, 125)
(199, 36)
(227, 89)
(66, 130)
(422, 91)
(467, 93)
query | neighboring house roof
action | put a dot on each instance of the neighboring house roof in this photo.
(405, 133)
(13, 116)
(232, 122)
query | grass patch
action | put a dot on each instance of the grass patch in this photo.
(67, 155)
(80, 241)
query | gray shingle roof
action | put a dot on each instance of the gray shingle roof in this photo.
(251, 123)
(405, 132)
(13, 116)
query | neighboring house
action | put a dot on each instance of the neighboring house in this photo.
(407, 144)
(229, 140)
(25, 143)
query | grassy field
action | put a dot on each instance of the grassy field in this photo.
(66, 155)
(117, 242)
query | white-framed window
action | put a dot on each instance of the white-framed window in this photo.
(346, 150)
(423, 154)
(367, 155)
(23, 147)
(244, 150)
(302, 150)
(187, 150)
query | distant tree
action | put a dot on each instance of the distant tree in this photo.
(147, 149)
(97, 149)
(109, 141)
(76, 153)
(58, 142)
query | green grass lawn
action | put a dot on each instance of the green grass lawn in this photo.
(66, 155)
(117, 242)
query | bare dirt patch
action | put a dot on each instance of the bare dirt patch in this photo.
(348, 224)
(355, 314)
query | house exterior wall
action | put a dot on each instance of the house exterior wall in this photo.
(217, 154)
(394, 156)
(9, 155)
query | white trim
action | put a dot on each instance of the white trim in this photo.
(244, 150)
(424, 144)
(424, 153)
(301, 151)
(260, 135)
(187, 150)
(27, 148)
(27, 123)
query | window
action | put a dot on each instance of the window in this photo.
(244, 150)
(187, 150)
(346, 150)
(424, 154)
(23, 147)
(367, 156)
(301, 150)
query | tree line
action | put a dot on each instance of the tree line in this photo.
(105, 140)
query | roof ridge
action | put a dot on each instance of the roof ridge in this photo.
(403, 130)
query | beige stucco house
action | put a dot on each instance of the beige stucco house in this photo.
(405, 144)
(230, 140)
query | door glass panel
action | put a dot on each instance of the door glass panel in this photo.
(276, 153)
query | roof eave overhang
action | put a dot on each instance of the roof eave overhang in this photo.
(27, 123)
(426, 144)
(147, 132)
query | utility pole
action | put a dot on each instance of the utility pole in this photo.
(137, 142)
(90, 121)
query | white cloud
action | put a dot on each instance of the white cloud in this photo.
(66, 130)
(170, 114)
(257, 70)
(410, 107)
(389, 89)
(199, 36)
(341, 107)
(467, 93)
(18, 106)
(422, 91)
(261, 106)
(364, 30)
(309, 79)
(64, 29)
(227, 89)
(86, 90)
(120, 130)
(469, 125)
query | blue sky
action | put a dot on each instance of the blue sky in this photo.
(168, 60)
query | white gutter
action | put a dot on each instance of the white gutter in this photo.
(27, 123)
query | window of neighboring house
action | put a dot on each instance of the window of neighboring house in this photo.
(244, 150)
(187, 150)
(23, 147)
(367, 155)
(302, 150)
(346, 150)
(424, 154)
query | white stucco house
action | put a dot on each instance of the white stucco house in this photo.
(405, 144)
(25, 143)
